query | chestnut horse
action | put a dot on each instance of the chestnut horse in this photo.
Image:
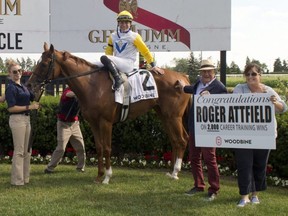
(92, 86)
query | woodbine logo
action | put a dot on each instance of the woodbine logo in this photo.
(238, 141)
(219, 141)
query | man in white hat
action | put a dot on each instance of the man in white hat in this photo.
(206, 84)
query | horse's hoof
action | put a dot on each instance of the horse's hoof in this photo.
(105, 181)
(172, 176)
(97, 181)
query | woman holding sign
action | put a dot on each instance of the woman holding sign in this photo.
(251, 163)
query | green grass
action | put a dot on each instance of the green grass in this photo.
(130, 192)
(265, 78)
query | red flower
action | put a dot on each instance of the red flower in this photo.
(35, 152)
(167, 156)
(70, 149)
(10, 153)
(26, 73)
(220, 158)
(151, 157)
(269, 169)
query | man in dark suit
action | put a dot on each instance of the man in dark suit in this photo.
(206, 84)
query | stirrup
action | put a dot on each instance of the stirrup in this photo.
(117, 89)
(119, 82)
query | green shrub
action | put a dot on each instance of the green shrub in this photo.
(141, 137)
(278, 157)
(145, 134)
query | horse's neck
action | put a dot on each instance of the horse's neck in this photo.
(78, 83)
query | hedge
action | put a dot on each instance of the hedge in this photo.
(140, 136)
(143, 136)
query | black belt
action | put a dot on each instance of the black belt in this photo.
(66, 121)
(26, 114)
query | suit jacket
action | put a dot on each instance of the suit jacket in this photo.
(216, 87)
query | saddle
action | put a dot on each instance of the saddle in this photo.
(139, 85)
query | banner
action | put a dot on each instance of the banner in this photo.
(85, 26)
(234, 121)
(24, 26)
(174, 25)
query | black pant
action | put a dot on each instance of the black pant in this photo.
(251, 167)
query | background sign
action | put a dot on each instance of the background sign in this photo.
(235, 121)
(84, 26)
(24, 25)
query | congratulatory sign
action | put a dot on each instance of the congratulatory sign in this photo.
(234, 121)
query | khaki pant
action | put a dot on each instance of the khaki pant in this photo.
(68, 132)
(20, 128)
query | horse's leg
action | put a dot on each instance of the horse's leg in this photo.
(107, 154)
(178, 138)
(99, 150)
(102, 137)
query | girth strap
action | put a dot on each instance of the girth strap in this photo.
(126, 98)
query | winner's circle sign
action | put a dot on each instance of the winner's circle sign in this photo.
(235, 121)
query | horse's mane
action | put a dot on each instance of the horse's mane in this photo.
(79, 60)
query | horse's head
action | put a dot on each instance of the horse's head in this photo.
(46, 70)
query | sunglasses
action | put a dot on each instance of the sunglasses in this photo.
(253, 74)
(17, 71)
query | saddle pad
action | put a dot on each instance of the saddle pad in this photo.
(142, 87)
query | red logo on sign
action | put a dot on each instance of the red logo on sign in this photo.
(218, 141)
(149, 19)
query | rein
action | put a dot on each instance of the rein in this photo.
(77, 75)
(51, 68)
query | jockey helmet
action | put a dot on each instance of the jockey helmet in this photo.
(124, 16)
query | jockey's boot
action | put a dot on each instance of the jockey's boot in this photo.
(114, 72)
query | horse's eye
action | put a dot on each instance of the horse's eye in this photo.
(43, 66)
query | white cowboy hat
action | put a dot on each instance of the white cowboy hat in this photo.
(207, 64)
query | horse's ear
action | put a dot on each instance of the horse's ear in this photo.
(46, 46)
(66, 55)
(51, 48)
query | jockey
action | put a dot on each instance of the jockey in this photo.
(121, 52)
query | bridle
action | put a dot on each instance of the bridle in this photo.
(43, 82)
(50, 75)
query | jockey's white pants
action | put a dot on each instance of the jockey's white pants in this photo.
(123, 65)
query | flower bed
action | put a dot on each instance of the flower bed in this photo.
(141, 163)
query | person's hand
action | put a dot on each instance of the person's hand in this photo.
(34, 106)
(157, 70)
(180, 84)
(273, 99)
(205, 93)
